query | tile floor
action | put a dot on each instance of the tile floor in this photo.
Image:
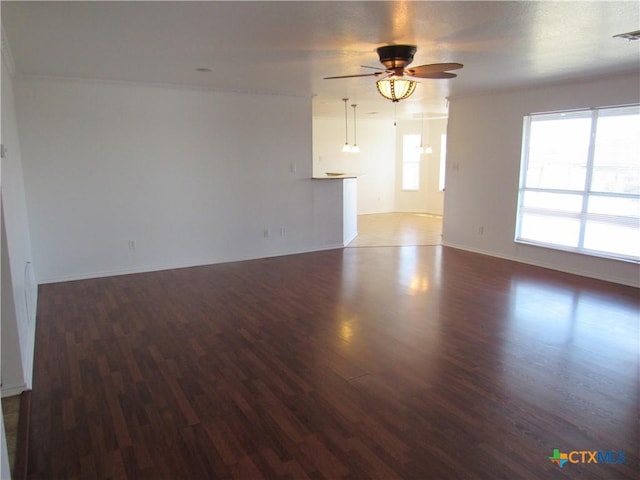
(397, 229)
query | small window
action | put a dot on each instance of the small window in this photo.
(411, 162)
(580, 182)
(443, 161)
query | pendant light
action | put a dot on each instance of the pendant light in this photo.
(346, 148)
(355, 148)
(422, 148)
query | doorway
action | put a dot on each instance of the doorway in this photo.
(398, 229)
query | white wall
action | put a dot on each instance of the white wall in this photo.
(484, 146)
(19, 289)
(349, 210)
(374, 165)
(428, 199)
(192, 176)
(12, 357)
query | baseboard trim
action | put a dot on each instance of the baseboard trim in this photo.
(158, 268)
(350, 239)
(526, 261)
(13, 390)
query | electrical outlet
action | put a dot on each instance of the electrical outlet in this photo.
(283, 231)
(132, 244)
(266, 233)
(481, 230)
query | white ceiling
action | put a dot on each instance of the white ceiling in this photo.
(288, 47)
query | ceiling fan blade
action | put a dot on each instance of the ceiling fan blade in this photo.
(353, 76)
(433, 67)
(434, 75)
(374, 68)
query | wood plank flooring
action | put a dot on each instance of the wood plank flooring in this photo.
(398, 362)
(11, 414)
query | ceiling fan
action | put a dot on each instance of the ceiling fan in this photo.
(398, 82)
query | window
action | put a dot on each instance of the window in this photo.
(580, 182)
(443, 161)
(411, 162)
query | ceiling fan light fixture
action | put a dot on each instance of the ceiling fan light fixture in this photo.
(396, 58)
(396, 88)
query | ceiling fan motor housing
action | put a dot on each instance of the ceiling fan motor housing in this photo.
(396, 56)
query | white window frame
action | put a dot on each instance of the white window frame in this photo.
(443, 162)
(586, 194)
(411, 160)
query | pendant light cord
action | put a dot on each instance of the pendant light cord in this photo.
(355, 136)
(346, 131)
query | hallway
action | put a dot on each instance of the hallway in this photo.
(398, 229)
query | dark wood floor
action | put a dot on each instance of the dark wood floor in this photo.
(407, 362)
